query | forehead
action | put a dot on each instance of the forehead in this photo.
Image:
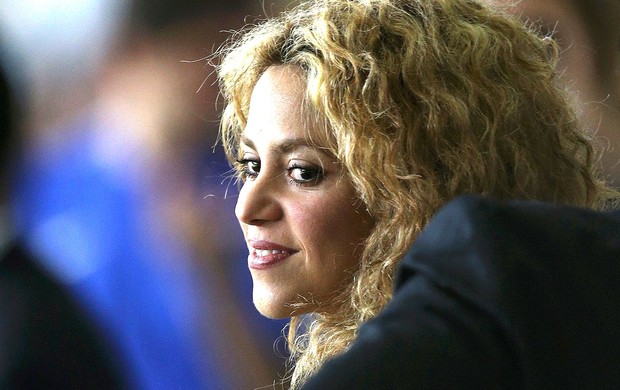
(277, 94)
(285, 81)
(278, 106)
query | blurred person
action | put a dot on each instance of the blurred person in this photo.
(126, 201)
(46, 339)
(589, 35)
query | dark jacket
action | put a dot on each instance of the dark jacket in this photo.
(46, 340)
(496, 295)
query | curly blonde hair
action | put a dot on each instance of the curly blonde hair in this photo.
(423, 100)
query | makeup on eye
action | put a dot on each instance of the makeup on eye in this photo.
(303, 173)
(247, 168)
(299, 172)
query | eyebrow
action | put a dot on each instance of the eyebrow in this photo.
(284, 146)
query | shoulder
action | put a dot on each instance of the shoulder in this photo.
(496, 294)
(548, 276)
(473, 239)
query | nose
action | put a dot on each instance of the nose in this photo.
(258, 202)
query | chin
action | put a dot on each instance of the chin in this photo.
(275, 308)
(269, 305)
(275, 312)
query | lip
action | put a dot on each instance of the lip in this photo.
(265, 254)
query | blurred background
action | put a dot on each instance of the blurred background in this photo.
(588, 32)
(120, 191)
(123, 196)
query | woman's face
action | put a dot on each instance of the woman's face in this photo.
(302, 222)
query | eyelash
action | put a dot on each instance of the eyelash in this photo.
(317, 175)
(245, 173)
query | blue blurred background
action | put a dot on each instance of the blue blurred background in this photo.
(121, 192)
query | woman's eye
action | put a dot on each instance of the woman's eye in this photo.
(248, 169)
(305, 175)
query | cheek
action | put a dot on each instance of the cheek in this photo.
(307, 223)
(244, 229)
(330, 228)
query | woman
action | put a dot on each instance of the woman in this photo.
(351, 123)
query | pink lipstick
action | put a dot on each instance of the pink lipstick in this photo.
(264, 254)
